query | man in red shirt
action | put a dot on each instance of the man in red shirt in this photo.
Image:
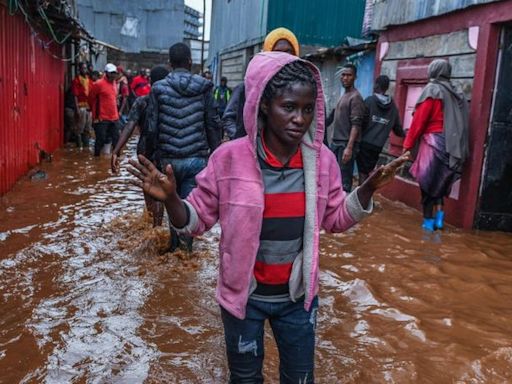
(140, 84)
(103, 103)
(80, 88)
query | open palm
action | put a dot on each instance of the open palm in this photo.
(386, 173)
(158, 185)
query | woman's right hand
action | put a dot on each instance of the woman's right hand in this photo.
(156, 184)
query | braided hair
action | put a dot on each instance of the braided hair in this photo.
(294, 72)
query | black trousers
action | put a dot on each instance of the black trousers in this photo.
(105, 132)
(428, 203)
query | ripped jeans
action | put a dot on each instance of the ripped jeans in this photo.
(294, 331)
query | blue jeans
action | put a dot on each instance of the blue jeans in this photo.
(347, 169)
(294, 331)
(185, 171)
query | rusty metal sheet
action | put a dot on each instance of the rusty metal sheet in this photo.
(31, 97)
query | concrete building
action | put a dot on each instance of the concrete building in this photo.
(476, 37)
(196, 46)
(135, 26)
(138, 33)
(192, 23)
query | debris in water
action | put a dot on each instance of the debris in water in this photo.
(38, 174)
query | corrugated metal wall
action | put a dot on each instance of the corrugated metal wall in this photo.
(365, 70)
(320, 22)
(236, 24)
(31, 99)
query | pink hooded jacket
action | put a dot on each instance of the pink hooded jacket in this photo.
(230, 190)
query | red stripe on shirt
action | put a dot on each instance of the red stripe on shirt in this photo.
(294, 162)
(278, 205)
(272, 274)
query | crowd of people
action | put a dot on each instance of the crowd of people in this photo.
(182, 118)
(100, 102)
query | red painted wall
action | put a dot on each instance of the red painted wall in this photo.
(489, 18)
(31, 98)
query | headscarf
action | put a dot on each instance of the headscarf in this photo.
(281, 34)
(455, 111)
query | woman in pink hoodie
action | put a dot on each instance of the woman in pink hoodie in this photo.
(272, 191)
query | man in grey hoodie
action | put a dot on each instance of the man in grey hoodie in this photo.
(183, 121)
(382, 118)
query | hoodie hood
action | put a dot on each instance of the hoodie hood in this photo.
(260, 71)
(383, 101)
(187, 84)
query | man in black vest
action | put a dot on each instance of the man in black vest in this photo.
(183, 119)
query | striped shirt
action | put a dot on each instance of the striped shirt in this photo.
(283, 224)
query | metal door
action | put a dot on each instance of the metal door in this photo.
(495, 211)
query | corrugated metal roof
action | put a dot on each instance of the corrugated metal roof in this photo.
(396, 12)
(320, 22)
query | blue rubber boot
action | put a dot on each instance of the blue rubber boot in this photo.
(439, 222)
(428, 225)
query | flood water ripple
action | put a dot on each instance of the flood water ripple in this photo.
(89, 295)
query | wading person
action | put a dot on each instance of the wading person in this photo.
(440, 124)
(382, 118)
(81, 87)
(222, 94)
(348, 118)
(70, 116)
(278, 40)
(137, 118)
(184, 121)
(95, 76)
(103, 103)
(140, 84)
(123, 91)
(272, 191)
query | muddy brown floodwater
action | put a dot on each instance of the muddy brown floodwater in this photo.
(87, 297)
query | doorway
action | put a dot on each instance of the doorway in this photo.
(495, 210)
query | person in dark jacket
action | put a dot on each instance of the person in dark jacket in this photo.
(382, 118)
(183, 119)
(281, 40)
(137, 118)
(232, 121)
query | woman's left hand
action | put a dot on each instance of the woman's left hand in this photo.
(385, 173)
(379, 178)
